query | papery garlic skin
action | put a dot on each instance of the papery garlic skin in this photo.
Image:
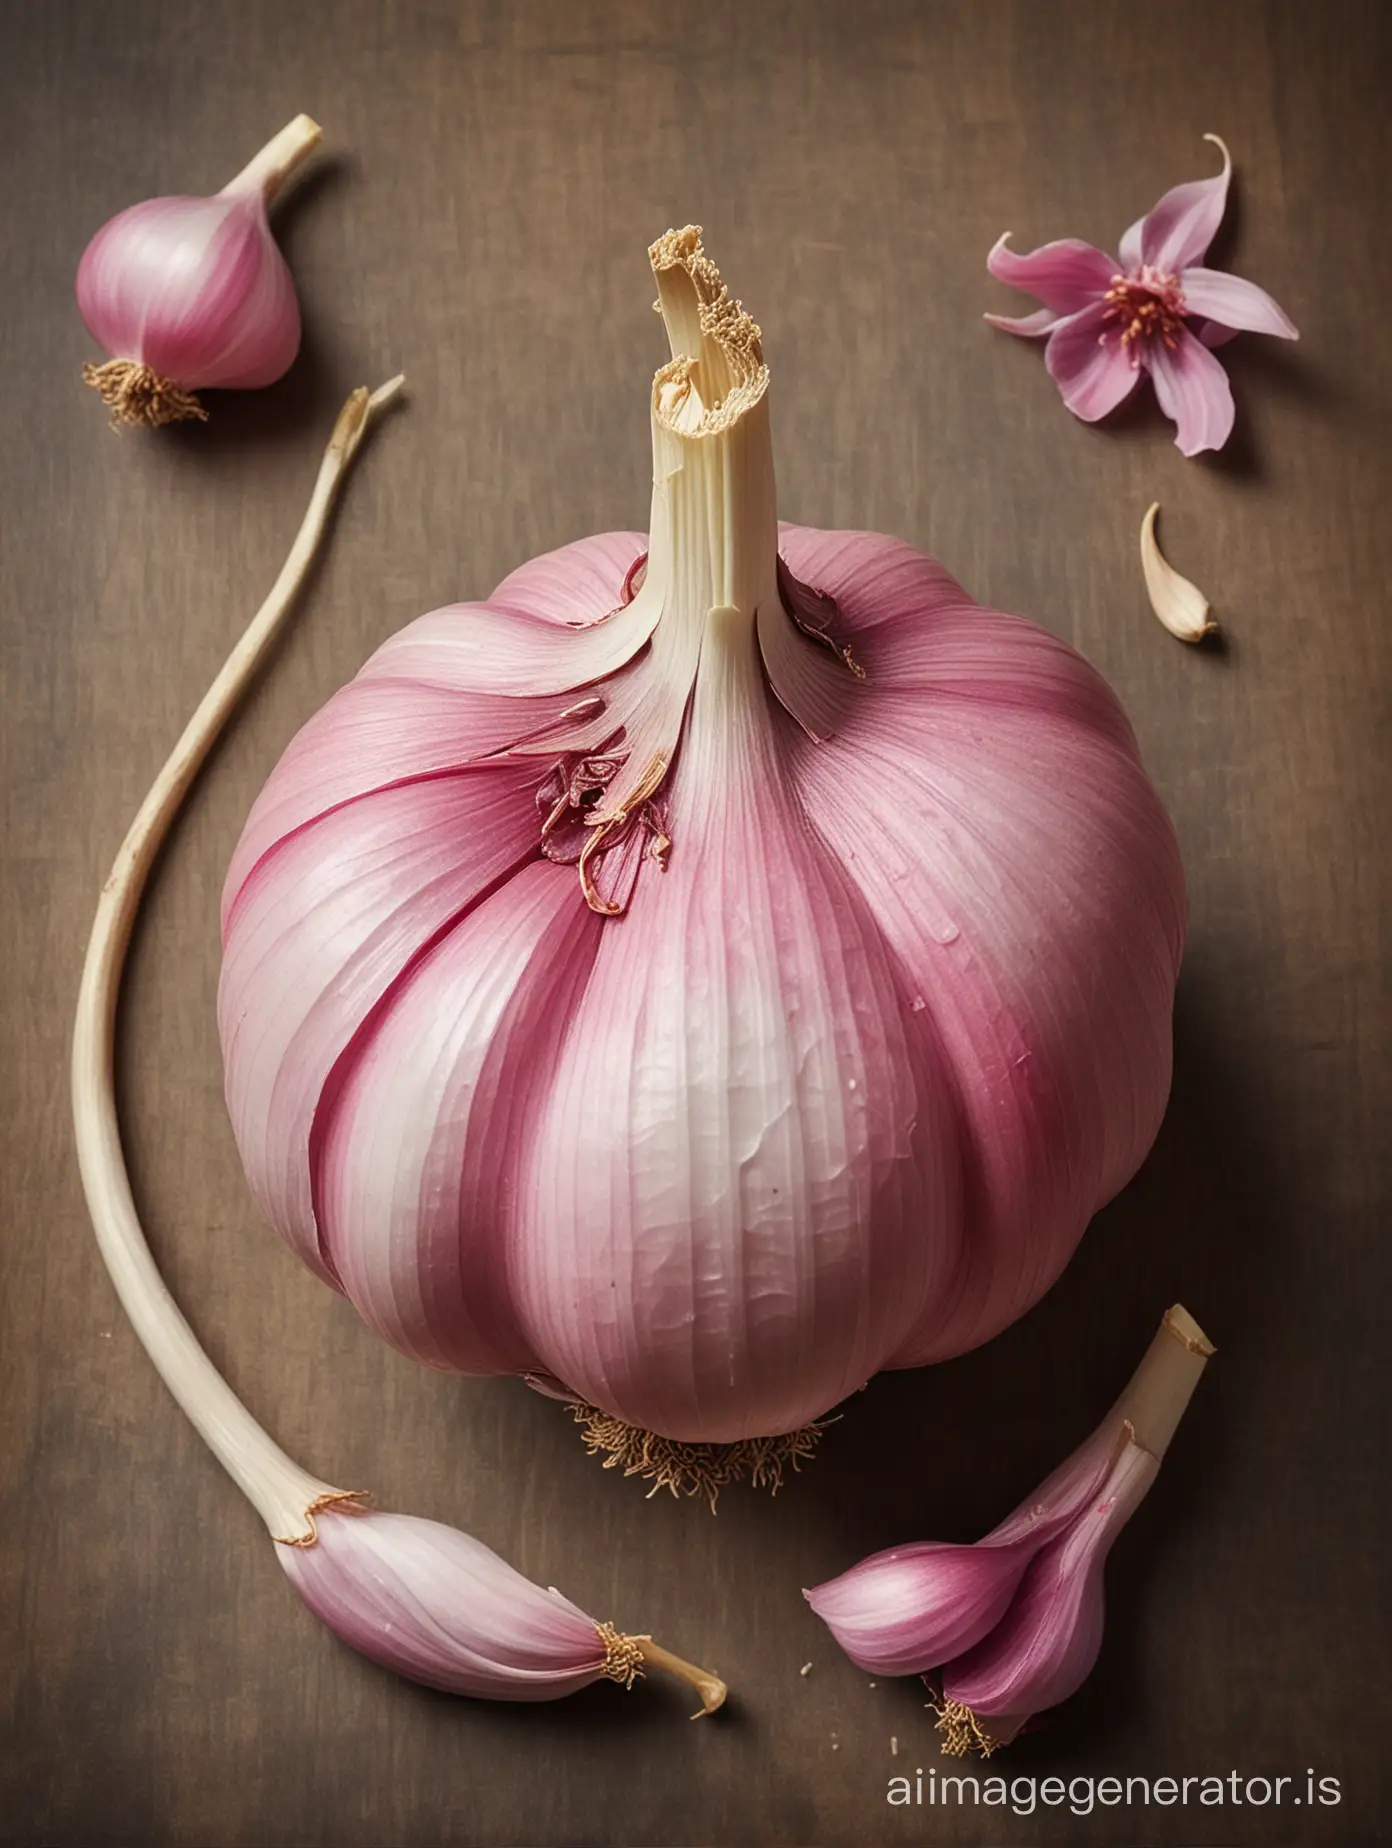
(883, 1018)
(196, 289)
(437, 1606)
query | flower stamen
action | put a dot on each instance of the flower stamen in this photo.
(1142, 307)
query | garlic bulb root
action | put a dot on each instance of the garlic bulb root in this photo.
(694, 1469)
(135, 394)
(962, 1731)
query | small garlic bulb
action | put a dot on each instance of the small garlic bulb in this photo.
(188, 293)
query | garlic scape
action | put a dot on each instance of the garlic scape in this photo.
(725, 962)
(1014, 1623)
(188, 293)
(420, 1598)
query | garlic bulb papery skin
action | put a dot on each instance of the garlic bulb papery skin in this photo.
(189, 293)
(423, 1599)
(704, 982)
(1015, 1622)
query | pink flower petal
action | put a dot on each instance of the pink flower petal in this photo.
(1065, 275)
(1193, 389)
(437, 1606)
(1129, 250)
(1030, 326)
(1234, 303)
(1211, 335)
(1089, 365)
(1177, 231)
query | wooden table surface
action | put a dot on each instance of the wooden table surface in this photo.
(492, 177)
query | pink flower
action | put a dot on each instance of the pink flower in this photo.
(1108, 321)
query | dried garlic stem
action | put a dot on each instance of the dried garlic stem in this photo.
(274, 1483)
(710, 1687)
(283, 153)
(1180, 605)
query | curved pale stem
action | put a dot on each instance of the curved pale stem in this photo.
(286, 1496)
(268, 171)
(711, 1688)
(274, 1483)
(1158, 1393)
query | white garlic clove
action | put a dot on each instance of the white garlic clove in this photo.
(1180, 605)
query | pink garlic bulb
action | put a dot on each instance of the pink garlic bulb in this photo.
(192, 293)
(721, 965)
(1015, 1622)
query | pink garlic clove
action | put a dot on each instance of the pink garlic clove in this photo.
(1015, 1622)
(1048, 1642)
(437, 1606)
(912, 1607)
(188, 293)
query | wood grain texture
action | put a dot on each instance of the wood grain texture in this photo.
(493, 177)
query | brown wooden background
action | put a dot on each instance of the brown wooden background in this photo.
(493, 175)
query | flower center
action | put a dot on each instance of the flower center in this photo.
(1140, 308)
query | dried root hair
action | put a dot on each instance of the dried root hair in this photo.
(693, 1469)
(134, 394)
(962, 1732)
(623, 1656)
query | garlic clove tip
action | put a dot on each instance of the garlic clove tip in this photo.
(1181, 606)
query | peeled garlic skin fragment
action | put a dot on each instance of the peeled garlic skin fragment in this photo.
(1180, 605)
